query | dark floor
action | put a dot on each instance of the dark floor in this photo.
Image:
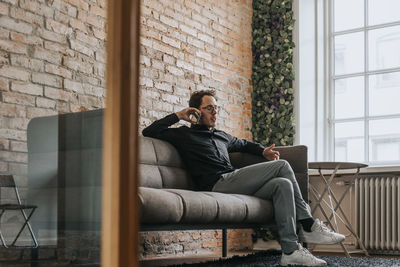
(167, 261)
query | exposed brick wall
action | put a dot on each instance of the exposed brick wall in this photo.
(167, 243)
(189, 45)
(52, 60)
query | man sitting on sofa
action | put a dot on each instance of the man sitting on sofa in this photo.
(205, 149)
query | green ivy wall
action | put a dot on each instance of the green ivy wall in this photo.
(273, 75)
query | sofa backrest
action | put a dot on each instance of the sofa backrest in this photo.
(161, 166)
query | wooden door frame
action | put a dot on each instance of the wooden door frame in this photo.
(120, 224)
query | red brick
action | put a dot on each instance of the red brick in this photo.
(42, 102)
(79, 3)
(92, 20)
(91, 101)
(4, 58)
(27, 88)
(4, 144)
(79, 47)
(163, 86)
(13, 156)
(57, 70)
(60, 94)
(184, 65)
(16, 98)
(14, 73)
(47, 79)
(56, 47)
(65, 8)
(13, 47)
(18, 147)
(11, 110)
(175, 71)
(50, 56)
(27, 39)
(37, 7)
(15, 25)
(12, 134)
(188, 30)
(51, 36)
(39, 112)
(171, 42)
(57, 27)
(87, 39)
(3, 9)
(163, 48)
(96, 10)
(99, 34)
(73, 86)
(94, 90)
(77, 24)
(169, 21)
(26, 16)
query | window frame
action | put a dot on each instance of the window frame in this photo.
(331, 77)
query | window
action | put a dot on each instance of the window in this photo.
(365, 80)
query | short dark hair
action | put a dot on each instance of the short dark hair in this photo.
(197, 96)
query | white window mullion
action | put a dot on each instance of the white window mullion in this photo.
(366, 84)
(330, 95)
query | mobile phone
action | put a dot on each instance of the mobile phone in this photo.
(196, 116)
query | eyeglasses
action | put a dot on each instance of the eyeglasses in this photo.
(211, 108)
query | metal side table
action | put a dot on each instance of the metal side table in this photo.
(335, 166)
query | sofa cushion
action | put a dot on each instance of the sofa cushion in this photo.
(159, 206)
(186, 206)
(198, 207)
(160, 165)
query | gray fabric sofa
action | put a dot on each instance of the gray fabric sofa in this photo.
(168, 200)
(64, 180)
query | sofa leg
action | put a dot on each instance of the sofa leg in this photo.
(224, 244)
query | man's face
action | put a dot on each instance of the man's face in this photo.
(208, 110)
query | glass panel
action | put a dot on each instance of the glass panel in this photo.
(349, 98)
(348, 14)
(383, 11)
(384, 141)
(349, 141)
(51, 116)
(384, 49)
(349, 53)
(384, 94)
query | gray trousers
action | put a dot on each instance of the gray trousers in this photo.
(272, 180)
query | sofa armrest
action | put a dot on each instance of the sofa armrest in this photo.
(295, 155)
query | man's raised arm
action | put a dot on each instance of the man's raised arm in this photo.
(160, 128)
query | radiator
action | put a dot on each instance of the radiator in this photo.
(377, 213)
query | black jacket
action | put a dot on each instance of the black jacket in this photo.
(205, 152)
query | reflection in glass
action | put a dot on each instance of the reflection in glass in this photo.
(383, 11)
(349, 141)
(384, 141)
(349, 98)
(384, 94)
(384, 49)
(348, 14)
(349, 53)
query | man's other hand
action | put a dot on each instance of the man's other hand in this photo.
(184, 114)
(271, 154)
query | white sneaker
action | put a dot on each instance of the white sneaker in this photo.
(301, 257)
(320, 234)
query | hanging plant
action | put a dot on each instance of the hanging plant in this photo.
(273, 75)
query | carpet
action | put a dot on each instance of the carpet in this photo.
(272, 258)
